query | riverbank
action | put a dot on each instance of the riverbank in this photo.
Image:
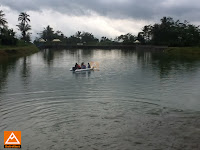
(17, 51)
(74, 46)
(129, 47)
(184, 52)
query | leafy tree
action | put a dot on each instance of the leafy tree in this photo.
(87, 37)
(147, 33)
(82, 37)
(73, 40)
(105, 39)
(7, 37)
(48, 34)
(59, 35)
(141, 37)
(172, 33)
(127, 39)
(78, 34)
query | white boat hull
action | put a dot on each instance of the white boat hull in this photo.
(81, 70)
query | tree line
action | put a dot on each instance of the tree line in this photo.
(82, 37)
(171, 33)
(168, 32)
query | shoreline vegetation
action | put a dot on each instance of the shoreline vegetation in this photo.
(93, 46)
(192, 53)
(17, 51)
(176, 52)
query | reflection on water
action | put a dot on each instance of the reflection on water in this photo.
(25, 70)
(138, 100)
(167, 64)
(6, 67)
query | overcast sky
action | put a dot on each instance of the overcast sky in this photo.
(109, 18)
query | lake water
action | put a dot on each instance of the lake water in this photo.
(137, 100)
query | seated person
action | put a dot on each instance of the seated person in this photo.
(77, 66)
(83, 66)
(89, 65)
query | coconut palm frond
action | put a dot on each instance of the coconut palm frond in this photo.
(24, 17)
(3, 21)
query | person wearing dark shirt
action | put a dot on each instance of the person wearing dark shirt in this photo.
(75, 67)
(89, 65)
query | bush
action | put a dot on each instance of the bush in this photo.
(7, 37)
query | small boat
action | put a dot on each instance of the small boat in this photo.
(80, 70)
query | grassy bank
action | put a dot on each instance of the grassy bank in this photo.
(17, 51)
(184, 52)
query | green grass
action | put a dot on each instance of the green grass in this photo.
(18, 50)
(184, 52)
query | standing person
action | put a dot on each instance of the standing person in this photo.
(89, 65)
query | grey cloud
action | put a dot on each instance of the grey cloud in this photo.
(137, 9)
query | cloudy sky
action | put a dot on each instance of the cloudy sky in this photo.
(109, 18)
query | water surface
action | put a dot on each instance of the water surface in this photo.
(138, 100)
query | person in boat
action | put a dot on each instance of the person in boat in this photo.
(89, 65)
(74, 68)
(77, 66)
(83, 66)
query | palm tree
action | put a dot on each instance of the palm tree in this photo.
(24, 17)
(3, 21)
(23, 26)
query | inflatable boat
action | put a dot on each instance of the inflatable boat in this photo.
(80, 70)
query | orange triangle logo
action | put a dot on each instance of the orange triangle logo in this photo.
(12, 139)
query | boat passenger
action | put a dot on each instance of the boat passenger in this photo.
(89, 65)
(83, 66)
(77, 66)
(73, 68)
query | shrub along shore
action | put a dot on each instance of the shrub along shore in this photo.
(176, 52)
(184, 52)
(17, 51)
